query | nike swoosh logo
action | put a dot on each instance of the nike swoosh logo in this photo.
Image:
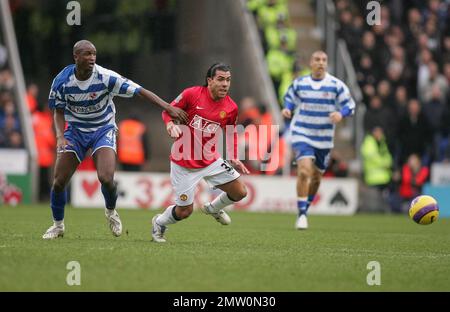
(198, 107)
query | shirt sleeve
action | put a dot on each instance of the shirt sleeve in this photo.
(180, 102)
(121, 86)
(291, 99)
(345, 101)
(56, 98)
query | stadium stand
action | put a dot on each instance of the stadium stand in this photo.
(402, 67)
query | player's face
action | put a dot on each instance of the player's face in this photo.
(319, 64)
(86, 57)
(219, 85)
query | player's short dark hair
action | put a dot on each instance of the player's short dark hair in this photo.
(214, 68)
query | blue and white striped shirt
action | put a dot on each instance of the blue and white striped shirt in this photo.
(312, 101)
(88, 105)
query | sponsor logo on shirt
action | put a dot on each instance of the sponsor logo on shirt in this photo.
(204, 125)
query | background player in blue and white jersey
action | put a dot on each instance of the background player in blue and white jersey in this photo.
(316, 103)
(82, 95)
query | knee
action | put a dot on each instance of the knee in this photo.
(58, 184)
(240, 193)
(106, 178)
(304, 173)
(185, 212)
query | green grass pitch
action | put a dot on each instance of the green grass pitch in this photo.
(257, 252)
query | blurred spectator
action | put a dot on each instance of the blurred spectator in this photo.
(445, 55)
(249, 112)
(413, 176)
(337, 167)
(415, 133)
(32, 94)
(15, 140)
(443, 147)
(6, 80)
(377, 160)
(434, 108)
(271, 12)
(279, 61)
(434, 79)
(42, 120)
(274, 35)
(367, 73)
(132, 147)
(423, 74)
(401, 102)
(378, 116)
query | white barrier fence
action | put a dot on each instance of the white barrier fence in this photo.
(336, 196)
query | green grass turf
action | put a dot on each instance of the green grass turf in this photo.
(257, 252)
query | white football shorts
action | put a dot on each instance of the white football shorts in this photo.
(185, 180)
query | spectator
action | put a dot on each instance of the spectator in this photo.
(15, 140)
(250, 113)
(401, 102)
(415, 133)
(32, 94)
(42, 120)
(337, 167)
(413, 177)
(434, 79)
(377, 160)
(423, 73)
(132, 149)
(378, 116)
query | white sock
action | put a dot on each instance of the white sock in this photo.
(58, 223)
(110, 211)
(219, 203)
(166, 217)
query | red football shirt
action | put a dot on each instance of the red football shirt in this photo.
(206, 117)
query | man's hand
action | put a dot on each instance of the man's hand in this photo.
(240, 166)
(335, 117)
(287, 113)
(173, 130)
(177, 113)
(61, 144)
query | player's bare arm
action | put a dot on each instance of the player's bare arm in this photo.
(61, 142)
(173, 111)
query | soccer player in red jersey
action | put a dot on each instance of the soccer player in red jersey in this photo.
(194, 155)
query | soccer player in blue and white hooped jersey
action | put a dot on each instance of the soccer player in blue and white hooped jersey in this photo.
(82, 95)
(316, 103)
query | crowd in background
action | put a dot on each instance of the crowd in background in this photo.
(10, 131)
(403, 69)
(279, 41)
(402, 66)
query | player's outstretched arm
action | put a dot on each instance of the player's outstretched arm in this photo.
(173, 111)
